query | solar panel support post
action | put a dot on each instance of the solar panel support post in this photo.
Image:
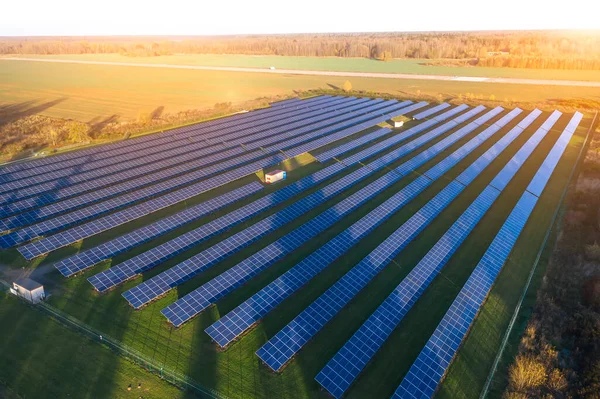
(517, 310)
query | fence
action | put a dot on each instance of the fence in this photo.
(180, 380)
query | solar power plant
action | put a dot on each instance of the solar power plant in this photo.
(237, 167)
(361, 274)
(374, 332)
(160, 284)
(300, 135)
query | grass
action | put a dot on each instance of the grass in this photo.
(237, 372)
(409, 66)
(96, 92)
(43, 359)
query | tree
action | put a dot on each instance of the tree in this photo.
(51, 135)
(347, 87)
(78, 132)
(386, 56)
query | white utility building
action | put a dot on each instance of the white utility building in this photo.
(29, 290)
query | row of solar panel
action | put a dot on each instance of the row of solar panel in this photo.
(342, 370)
(176, 166)
(64, 238)
(119, 202)
(237, 275)
(92, 256)
(148, 290)
(112, 220)
(172, 154)
(430, 366)
(430, 111)
(237, 321)
(194, 237)
(279, 350)
(44, 165)
(81, 261)
(68, 266)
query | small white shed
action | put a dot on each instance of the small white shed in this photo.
(29, 290)
(275, 176)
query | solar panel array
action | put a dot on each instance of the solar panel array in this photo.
(344, 367)
(128, 241)
(337, 151)
(272, 141)
(279, 350)
(430, 366)
(257, 262)
(96, 210)
(73, 196)
(38, 166)
(145, 292)
(171, 248)
(229, 327)
(167, 155)
(285, 102)
(431, 111)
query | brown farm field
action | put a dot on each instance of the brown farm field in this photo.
(85, 92)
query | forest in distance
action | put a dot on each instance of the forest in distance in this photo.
(577, 50)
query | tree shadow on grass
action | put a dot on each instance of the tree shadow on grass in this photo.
(334, 87)
(15, 111)
(97, 124)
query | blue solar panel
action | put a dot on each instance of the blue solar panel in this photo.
(427, 371)
(70, 236)
(431, 111)
(241, 318)
(221, 285)
(285, 102)
(99, 209)
(38, 166)
(171, 248)
(281, 138)
(367, 138)
(512, 167)
(430, 366)
(539, 182)
(148, 290)
(167, 155)
(107, 222)
(373, 333)
(88, 258)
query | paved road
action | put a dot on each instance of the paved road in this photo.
(327, 73)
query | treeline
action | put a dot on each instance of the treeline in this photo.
(531, 49)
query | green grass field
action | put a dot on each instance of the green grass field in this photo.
(43, 359)
(91, 93)
(237, 372)
(410, 66)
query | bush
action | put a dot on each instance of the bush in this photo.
(347, 87)
(527, 373)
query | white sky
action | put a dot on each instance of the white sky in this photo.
(217, 17)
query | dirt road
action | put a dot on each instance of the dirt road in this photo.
(327, 73)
